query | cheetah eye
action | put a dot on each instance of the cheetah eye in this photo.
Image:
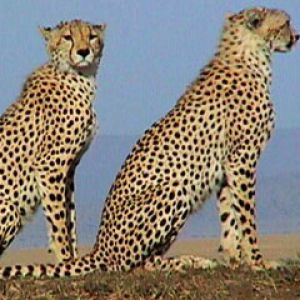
(93, 36)
(67, 37)
(255, 22)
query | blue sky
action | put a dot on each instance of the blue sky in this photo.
(153, 50)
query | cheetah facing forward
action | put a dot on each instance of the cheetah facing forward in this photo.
(210, 141)
(44, 134)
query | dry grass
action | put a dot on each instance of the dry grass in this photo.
(220, 283)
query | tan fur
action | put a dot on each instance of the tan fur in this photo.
(44, 134)
(210, 141)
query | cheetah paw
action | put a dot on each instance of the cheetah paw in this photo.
(267, 265)
(273, 265)
(199, 262)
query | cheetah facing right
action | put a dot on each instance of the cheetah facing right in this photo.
(210, 141)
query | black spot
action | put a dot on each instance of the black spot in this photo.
(52, 197)
(224, 216)
(241, 203)
(30, 269)
(247, 206)
(243, 187)
(52, 179)
(243, 219)
(6, 272)
(163, 222)
(258, 256)
(172, 195)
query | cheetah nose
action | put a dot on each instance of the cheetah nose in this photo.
(83, 52)
(297, 36)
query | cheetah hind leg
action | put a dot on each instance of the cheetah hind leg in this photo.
(179, 264)
(152, 204)
(10, 224)
(157, 261)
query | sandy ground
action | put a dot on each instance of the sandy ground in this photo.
(272, 246)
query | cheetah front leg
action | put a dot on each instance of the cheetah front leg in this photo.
(230, 241)
(10, 223)
(54, 194)
(71, 213)
(238, 208)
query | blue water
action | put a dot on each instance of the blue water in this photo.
(278, 191)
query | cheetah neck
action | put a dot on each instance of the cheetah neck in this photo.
(239, 46)
(75, 79)
(88, 72)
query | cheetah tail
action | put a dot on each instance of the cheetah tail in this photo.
(80, 266)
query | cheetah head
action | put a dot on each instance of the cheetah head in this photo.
(75, 45)
(271, 26)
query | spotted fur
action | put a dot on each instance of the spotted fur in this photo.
(44, 134)
(209, 142)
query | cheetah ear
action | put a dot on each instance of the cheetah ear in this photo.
(101, 28)
(45, 32)
(229, 16)
(254, 20)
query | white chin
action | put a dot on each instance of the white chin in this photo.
(83, 64)
(282, 50)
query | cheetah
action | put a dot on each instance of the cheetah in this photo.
(44, 134)
(209, 142)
